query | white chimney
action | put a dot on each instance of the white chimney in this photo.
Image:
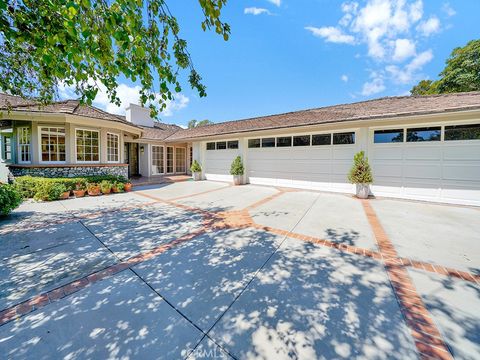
(138, 115)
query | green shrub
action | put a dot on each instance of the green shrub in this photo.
(360, 173)
(105, 186)
(195, 167)
(28, 186)
(237, 166)
(119, 186)
(49, 190)
(10, 198)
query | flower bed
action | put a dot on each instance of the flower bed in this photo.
(48, 189)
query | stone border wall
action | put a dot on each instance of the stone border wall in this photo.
(67, 171)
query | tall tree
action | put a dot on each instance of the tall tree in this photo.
(195, 123)
(85, 43)
(461, 73)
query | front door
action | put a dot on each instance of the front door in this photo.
(131, 158)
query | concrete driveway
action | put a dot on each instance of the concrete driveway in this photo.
(205, 270)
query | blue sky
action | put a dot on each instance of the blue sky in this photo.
(286, 55)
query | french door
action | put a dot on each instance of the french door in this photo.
(180, 159)
(170, 159)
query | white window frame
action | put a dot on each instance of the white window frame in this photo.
(163, 160)
(21, 146)
(118, 148)
(40, 129)
(99, 150)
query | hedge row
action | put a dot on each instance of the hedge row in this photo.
(10, 198)
(49, 189)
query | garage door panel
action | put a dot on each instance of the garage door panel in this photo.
(461, 152)
(461, 172)
(386, 153)
(423, 171)
(419, 153)
(343, 152)
(384, 169)
(320, 153)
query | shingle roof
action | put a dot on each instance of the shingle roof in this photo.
(73, 107)
(160, 131)
(387, 107)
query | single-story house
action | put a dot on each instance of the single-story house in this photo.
(420, 147)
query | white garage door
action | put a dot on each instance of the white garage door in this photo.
(218, 159)
(427, 163)
(304, 161)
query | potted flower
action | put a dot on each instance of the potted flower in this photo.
(106, 187)
(64, 195)
(80, 189)
(118, 187)
(196, 170)
(361, 175)
(237, 170)
(93, 189)
(128, 186)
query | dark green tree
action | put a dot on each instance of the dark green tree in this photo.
(461, 73)
(85, 43)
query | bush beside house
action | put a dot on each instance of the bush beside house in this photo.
(10, 198)
(237, 169)
(361, 175)
(48, 189)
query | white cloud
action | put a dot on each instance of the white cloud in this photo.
(344, 78)
(127, 94)
(374, 86)
(404, 48)
(393, 33)
(331, 34)
(408, 73)
(448, 10)
(429, 27)
(275, 2)
(256, 11)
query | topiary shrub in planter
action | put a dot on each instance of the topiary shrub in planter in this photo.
(196, 170)
(10, 198)
(361, 175)
(49, 191)
(237, 169)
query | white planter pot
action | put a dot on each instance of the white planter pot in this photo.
(196, 176)
(237, 179)
(363, 190)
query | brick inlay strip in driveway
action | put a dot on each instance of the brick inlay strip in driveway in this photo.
(46, 298)
(427, 337)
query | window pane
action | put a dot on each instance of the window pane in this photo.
(462, 132)
(344, 138)
(221, 145)
(233, 144)
(423, 134)
(268, 142)
(387, 136)
(284, 141)
(303, 140)
(254, 143)
(322, 139)
(211, 146)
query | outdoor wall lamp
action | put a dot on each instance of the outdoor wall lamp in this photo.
(142, 149)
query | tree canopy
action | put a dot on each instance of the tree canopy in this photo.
(195, 123)
(88, 43)
(461, 73)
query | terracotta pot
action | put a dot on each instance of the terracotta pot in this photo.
(128, 187)
(106, 192)
(115, 190)
(65, 195)
(79, 193)
(94, 191)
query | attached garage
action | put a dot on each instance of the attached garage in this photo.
(422, 148)
(311, 161)
(433, 163)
